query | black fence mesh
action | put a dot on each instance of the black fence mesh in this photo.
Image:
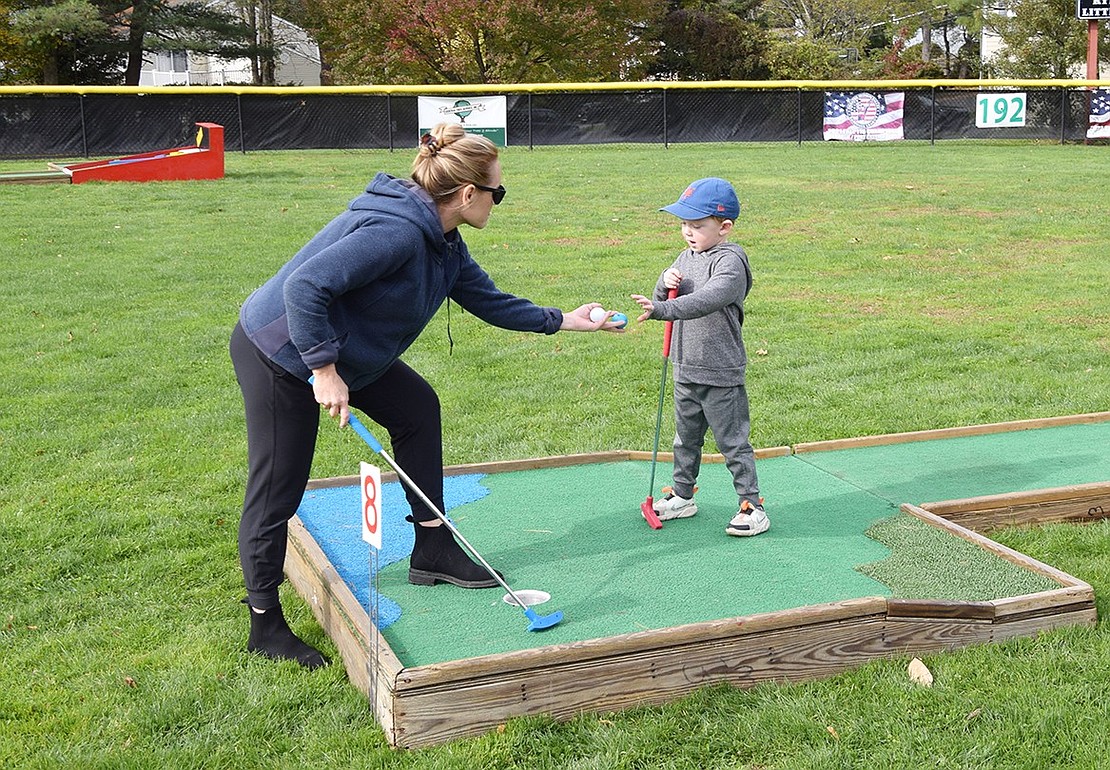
(98, 124)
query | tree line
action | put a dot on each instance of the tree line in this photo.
(104, 42)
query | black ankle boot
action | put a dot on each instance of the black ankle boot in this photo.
(437, 557)
(272, 638)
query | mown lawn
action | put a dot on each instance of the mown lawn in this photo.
(898, 287)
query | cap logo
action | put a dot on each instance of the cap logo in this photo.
(689, 192)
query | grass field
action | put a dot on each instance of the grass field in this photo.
(898, 287)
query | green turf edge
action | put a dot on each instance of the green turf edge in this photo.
(928, 563)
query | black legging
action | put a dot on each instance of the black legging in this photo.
(282, 421)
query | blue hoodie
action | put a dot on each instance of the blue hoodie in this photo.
(365, 286)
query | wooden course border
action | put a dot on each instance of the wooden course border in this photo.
(1080, 502)
(428, 705)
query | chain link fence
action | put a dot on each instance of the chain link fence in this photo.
(92, 123)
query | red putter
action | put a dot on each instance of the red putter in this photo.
(646, 507)
(649, 513)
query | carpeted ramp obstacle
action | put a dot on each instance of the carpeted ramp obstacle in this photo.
(576, 532)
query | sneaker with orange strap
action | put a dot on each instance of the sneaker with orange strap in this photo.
(749, 520)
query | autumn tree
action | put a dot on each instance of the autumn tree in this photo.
(167, 25)
(710, 41)
(68, 42)
(104, 41)
(870, 38)
(1043, 39)
(481, 41)
(835, 22)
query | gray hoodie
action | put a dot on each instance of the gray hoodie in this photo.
(707, 347)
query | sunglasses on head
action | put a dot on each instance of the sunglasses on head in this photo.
(498, 192)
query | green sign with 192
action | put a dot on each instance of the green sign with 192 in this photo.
(1000, 110)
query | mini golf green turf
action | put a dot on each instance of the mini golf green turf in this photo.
(577, 533)
(971, 466)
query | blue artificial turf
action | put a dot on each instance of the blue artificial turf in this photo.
(333, 516)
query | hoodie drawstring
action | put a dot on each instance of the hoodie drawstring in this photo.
(450, 342)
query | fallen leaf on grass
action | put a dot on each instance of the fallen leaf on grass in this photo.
(833, 732)
(920, 673)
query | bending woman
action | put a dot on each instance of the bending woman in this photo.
(342, 311)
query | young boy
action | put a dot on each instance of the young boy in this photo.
(713, 278)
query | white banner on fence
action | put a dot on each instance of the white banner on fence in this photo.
(1098, 125)
(863, 117)
(483, 115)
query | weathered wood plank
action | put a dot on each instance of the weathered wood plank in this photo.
(554, 461)
(1072, 598)
(939, 433)
(668, 457)
(433, 715)
(1076, 503)
(936, 608)
(649, 642)
(499, 466)
(1039, 624)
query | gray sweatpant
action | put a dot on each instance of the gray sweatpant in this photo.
(724, 410)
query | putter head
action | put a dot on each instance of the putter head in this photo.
(540, 622)
(649, 514)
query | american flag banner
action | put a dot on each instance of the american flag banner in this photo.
(1098, 124)
(863, 117)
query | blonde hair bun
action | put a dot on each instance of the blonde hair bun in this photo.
(440, 137)
(448, 158)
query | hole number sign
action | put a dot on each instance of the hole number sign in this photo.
(1000, 110)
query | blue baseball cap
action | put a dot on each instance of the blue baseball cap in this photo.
(709, 197)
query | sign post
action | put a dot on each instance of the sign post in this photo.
(1092, 11)
(370, 477)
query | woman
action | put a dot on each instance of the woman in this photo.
(342, 312)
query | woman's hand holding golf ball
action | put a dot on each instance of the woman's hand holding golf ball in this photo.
(591, 317)
(608, 317)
